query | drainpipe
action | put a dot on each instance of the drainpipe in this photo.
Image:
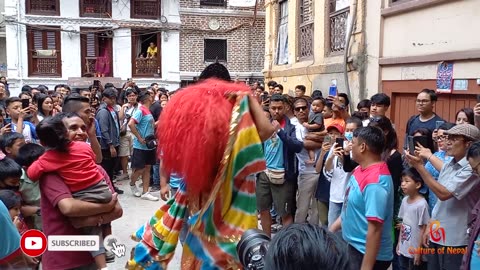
(19, 46)
(347, 49)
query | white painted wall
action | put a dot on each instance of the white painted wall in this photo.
(16, 44)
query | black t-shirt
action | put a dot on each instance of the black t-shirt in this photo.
(156, 109)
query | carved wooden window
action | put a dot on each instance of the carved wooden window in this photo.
(282, 35)
(43, 7)
(96, 8)
(212, 2)
(215, 49)
(144, 65)
(44, 58)
(145, 9)
(96, 53)
(306, 29)
(339, 11)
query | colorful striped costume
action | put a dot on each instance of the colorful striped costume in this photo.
(219, 218)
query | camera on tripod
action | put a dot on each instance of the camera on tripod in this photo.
(252, 249)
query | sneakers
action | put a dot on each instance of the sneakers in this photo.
(109, 256)
(149, 197)
(135, 191)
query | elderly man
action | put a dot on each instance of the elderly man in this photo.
(457, 191)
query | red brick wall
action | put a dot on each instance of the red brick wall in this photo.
(246, 44)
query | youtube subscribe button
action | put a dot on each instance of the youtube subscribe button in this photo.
(73, 243)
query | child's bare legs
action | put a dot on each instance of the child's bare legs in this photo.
(100, 261)
(311, 155)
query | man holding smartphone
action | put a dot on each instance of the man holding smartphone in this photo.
(14, 108)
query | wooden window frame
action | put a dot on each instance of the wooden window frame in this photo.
(30, 47)
(330, 14)
(135, 35)
(136, 16)
(305, 24)
(83, 50)
(96, 15)
(29, 11)
(213, 60)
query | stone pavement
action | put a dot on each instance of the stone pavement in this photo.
(135, 213)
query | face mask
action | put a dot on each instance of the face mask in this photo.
(349, 136)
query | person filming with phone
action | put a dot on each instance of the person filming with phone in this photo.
(17, 112)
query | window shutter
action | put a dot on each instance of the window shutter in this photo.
(37, 40)
(51, 41)
(91, 45)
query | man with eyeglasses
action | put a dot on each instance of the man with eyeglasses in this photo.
(457, 190)
(426, 118)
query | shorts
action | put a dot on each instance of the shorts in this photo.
(126, 145)
(142, 158)
(282, 196)
(97, 193)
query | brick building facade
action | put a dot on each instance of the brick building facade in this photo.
(214, 30)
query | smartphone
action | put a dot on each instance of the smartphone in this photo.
(339, 142)
(478, 98)
(422, 140)
(332, 91)
(25, 103)
(7, 121)
(438, 124)
(327, 139)
(411, 145)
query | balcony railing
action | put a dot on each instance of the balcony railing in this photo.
(45, 65)
(212, 2)
(95, 8)
(43, 6)
(306, 40)
(147, 66)
(90, 63)
(338, 30)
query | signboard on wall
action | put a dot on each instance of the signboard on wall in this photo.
(242, 3)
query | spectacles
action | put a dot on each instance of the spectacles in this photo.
(303, 108)
(423, 101)
(441, 138)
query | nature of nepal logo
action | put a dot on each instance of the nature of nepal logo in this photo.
(437, 232)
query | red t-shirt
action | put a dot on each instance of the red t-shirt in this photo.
(53, 190)
(77, 167)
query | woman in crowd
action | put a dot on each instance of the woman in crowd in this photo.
(45, 106)
(465, 116)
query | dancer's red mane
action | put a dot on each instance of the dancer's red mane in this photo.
(194, 130)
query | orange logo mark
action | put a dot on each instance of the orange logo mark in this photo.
(437, 233)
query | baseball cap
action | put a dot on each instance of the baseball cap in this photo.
(337, 127)
(468, 131)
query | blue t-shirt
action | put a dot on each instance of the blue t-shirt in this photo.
(475, 260)
(175, 180)
(10, 237)
(432, 198)
(144, 124)
(274, 153)
(369, 197)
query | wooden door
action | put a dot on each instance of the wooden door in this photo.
(404, 106)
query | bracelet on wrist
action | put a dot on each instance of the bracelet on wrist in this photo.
(428, 159)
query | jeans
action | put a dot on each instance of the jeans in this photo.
(307, 183)
(334, 211)
(321, 213)
(407, 264)
(156, 174)
(109, 162)
(441, 259)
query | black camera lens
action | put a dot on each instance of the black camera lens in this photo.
(252, 249)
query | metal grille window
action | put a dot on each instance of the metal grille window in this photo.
(215, 50)
(339, 12)
(44, 57)
(145, 9)
(43, 7)
(282, 36)
(213, 2)
(95, 8)
(306, 29)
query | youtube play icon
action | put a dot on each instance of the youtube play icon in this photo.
(33, 243)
